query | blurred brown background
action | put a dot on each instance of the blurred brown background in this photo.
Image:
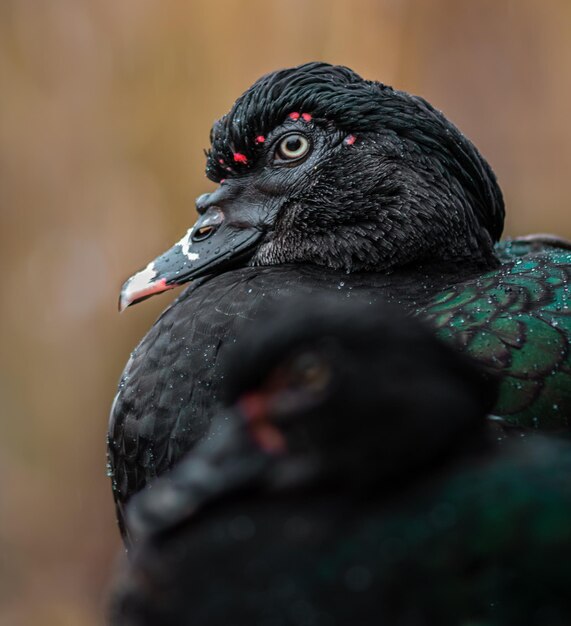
(105, 108)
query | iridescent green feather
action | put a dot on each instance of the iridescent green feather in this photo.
(517, 322)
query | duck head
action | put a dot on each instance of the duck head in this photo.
(317, 165)
(362, 389)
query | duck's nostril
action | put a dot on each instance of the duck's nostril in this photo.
(203, 232)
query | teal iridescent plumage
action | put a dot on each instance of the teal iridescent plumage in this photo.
(516, 321)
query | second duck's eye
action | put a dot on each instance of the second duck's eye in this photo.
(309, 371)
(292, 147)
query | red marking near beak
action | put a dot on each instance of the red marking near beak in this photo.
(158, 287)
(350, 140)
(254, 407)
(306, 117)
(240, 158)
(260, 139)
(294, 116)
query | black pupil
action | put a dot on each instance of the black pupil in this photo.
(293, 144)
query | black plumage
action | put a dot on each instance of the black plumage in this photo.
(333, 184)
(171, 385)
(351, 479)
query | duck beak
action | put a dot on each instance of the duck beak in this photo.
(210, 245)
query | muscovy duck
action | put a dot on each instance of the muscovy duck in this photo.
(331, 183)
(352, 479)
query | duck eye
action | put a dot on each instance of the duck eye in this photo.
(292, 147)
(310, 371)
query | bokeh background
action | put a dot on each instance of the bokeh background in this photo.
(105, 108)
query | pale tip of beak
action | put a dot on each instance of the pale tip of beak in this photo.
(140, 286)
(132, 296)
